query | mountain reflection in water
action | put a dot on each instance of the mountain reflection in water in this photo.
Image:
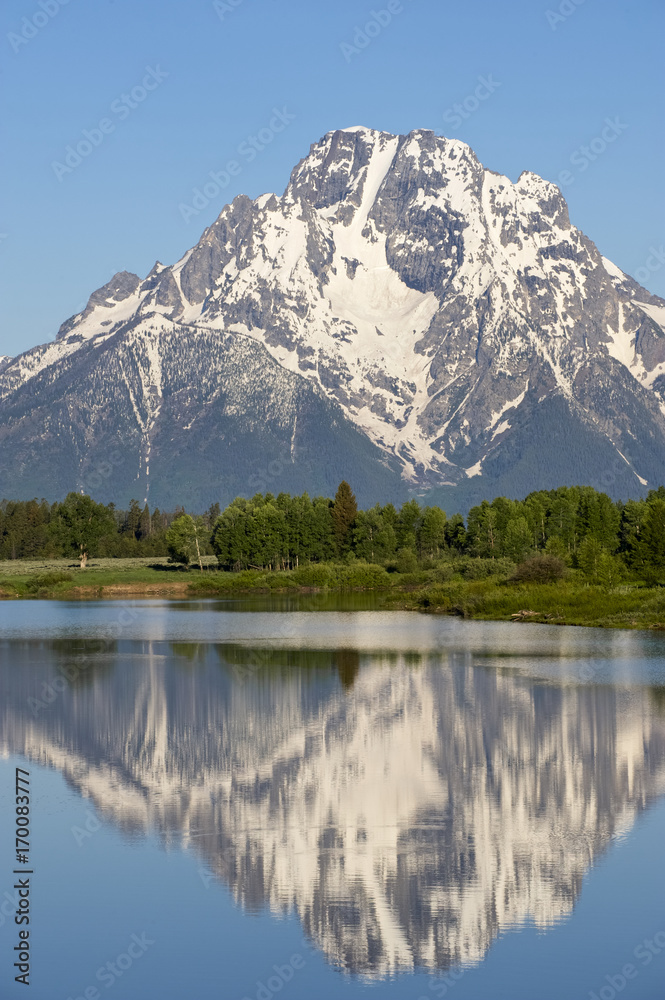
(408, 807)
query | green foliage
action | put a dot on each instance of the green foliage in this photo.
(431, 536)
(373, 534)
(555, 546)
(344, 513)
(544, 568)
(79, 524)
(357, 575)
(408, 525)
(564, 602)
(581, 527)
(482, 530)
(185, 538)
(406, 561)
(46, 581)
(598, 564)
(517, 539)
(652, 539)
(480, 569)
(455, 534)
(273, 533)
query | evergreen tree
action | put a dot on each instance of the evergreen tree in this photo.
(344, 513)
(212, 514)
(455, 533)
(157, 521)
(144, 527)
(633, 513)
(132, 519)
(598, 516)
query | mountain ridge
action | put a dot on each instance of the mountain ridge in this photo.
(440, 309)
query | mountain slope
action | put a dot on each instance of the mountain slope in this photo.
(463, 332)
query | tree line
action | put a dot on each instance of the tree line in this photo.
(33, 529)
(578, 525)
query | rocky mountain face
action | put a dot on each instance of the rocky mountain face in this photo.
(401, 317)
(407, 821)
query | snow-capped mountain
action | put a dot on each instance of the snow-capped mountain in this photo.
(401, 315)
(407, 823)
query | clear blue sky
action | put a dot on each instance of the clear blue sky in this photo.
(559, 79)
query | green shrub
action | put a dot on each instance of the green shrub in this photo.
(407, 561)
(363, 575)
(481, 569)
(539, 569)
(45, 580)
(314, 575)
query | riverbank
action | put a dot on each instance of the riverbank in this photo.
(571, 601)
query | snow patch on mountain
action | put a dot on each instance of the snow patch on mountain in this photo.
(655, 311)
(613, 270)
(417, 290)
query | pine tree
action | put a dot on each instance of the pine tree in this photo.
(212, 514)
(144, 528)
(132, 519)
(455, 533)
(344, 513)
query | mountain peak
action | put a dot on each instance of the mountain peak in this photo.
(454, 320)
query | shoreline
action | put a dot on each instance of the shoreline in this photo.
(569, 602)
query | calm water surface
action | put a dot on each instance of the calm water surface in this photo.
(261, 799)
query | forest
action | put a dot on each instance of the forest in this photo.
(576, 527)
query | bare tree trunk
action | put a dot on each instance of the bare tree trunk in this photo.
(84, 558)
(198, 552)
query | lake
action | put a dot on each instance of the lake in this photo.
(314, 797)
